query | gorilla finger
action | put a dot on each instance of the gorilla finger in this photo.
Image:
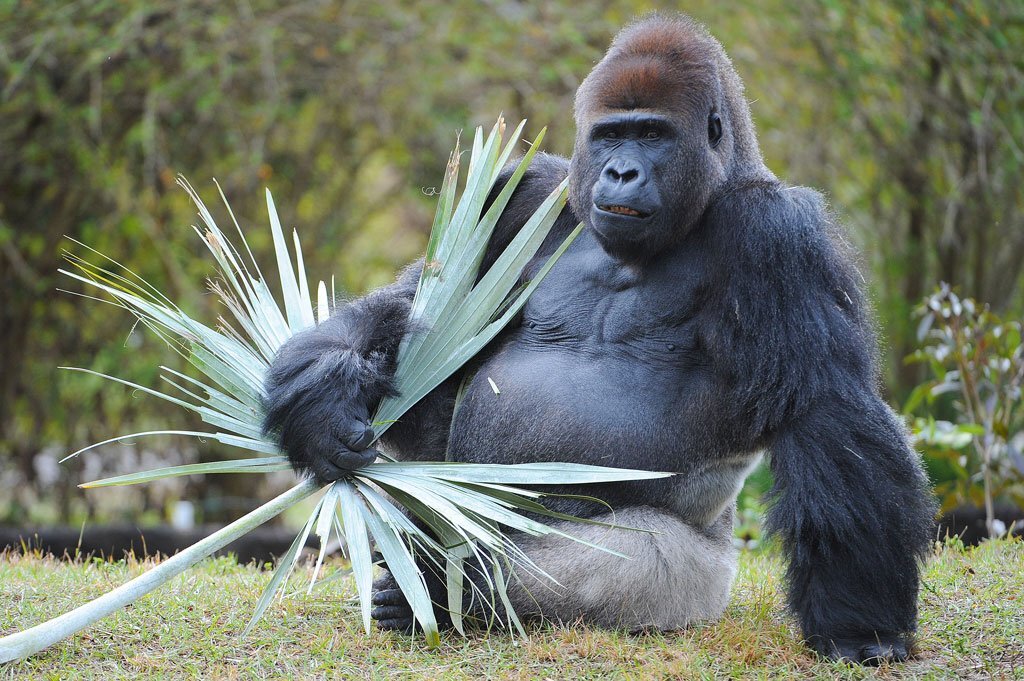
(348, 460)
(358, 436)
(871, 653)
(402, 625)
(390, 597)
(391, 612)
(875, 654)
(326, 470)
(385, 582)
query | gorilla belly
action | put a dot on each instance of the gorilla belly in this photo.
(560, 403)
(551, 404)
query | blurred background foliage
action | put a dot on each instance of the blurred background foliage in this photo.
(909, 115)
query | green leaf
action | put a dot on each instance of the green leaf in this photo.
(358, 546)
(325, 521)
(541, 473)
(323, 310)
(299, 316)
(384, 525)
(265, 464)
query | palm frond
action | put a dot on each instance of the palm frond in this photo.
(468, 509)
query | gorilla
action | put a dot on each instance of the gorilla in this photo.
(707, 313)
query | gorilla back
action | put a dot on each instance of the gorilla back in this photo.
(707, 313)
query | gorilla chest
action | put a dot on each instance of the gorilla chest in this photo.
(606, 356)
(607, 367)
(591, 304)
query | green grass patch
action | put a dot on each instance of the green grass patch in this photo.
(971, 625)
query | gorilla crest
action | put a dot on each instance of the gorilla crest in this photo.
(707, 314)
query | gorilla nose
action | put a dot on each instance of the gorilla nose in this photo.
(622, 173)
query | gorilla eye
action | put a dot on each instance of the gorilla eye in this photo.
(651, 135)
(714, 129)
(611, 135)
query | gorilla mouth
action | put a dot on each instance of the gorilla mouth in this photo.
(623, 210)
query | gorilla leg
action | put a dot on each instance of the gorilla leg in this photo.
(676, 574)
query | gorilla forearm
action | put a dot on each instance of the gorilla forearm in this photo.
(852, 509)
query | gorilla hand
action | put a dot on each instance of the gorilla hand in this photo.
(329, 440)
(325, 381)
(319, 393)
(391, 611)
(316, 405)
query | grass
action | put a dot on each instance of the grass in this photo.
(971, 626)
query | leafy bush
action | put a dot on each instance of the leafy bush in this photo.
(972, 433)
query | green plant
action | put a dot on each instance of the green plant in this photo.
(466, 508)
(977, 364)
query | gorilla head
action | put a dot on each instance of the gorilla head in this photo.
(661, 126)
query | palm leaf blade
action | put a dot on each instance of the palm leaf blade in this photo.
(465, 506)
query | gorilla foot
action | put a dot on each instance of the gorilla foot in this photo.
(871, 650)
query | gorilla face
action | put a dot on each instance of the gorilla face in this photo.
(629, 155)
(646, 178)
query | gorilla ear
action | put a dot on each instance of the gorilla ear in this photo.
(714, 129)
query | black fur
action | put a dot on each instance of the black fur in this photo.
(325, 382)
(706, 313)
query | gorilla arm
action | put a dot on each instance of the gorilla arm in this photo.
(326, 381)
(850, 500)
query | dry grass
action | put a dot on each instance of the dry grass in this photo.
(972, 626)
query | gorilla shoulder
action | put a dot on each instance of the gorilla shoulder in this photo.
(545, 173)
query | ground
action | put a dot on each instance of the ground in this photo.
(972, 626)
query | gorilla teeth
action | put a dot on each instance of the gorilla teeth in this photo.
(622, 210)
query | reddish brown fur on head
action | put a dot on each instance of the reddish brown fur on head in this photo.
(656, 64)
(670, 68)
(673, 66)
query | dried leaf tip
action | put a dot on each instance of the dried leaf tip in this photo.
(453, 159)
(214, 241)
(432, 267)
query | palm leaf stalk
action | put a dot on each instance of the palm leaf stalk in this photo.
(467, 508)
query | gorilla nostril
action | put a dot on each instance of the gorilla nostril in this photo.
(620, 176)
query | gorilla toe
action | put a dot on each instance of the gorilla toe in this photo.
(873, 652)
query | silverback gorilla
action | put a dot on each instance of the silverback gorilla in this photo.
(707, 313)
